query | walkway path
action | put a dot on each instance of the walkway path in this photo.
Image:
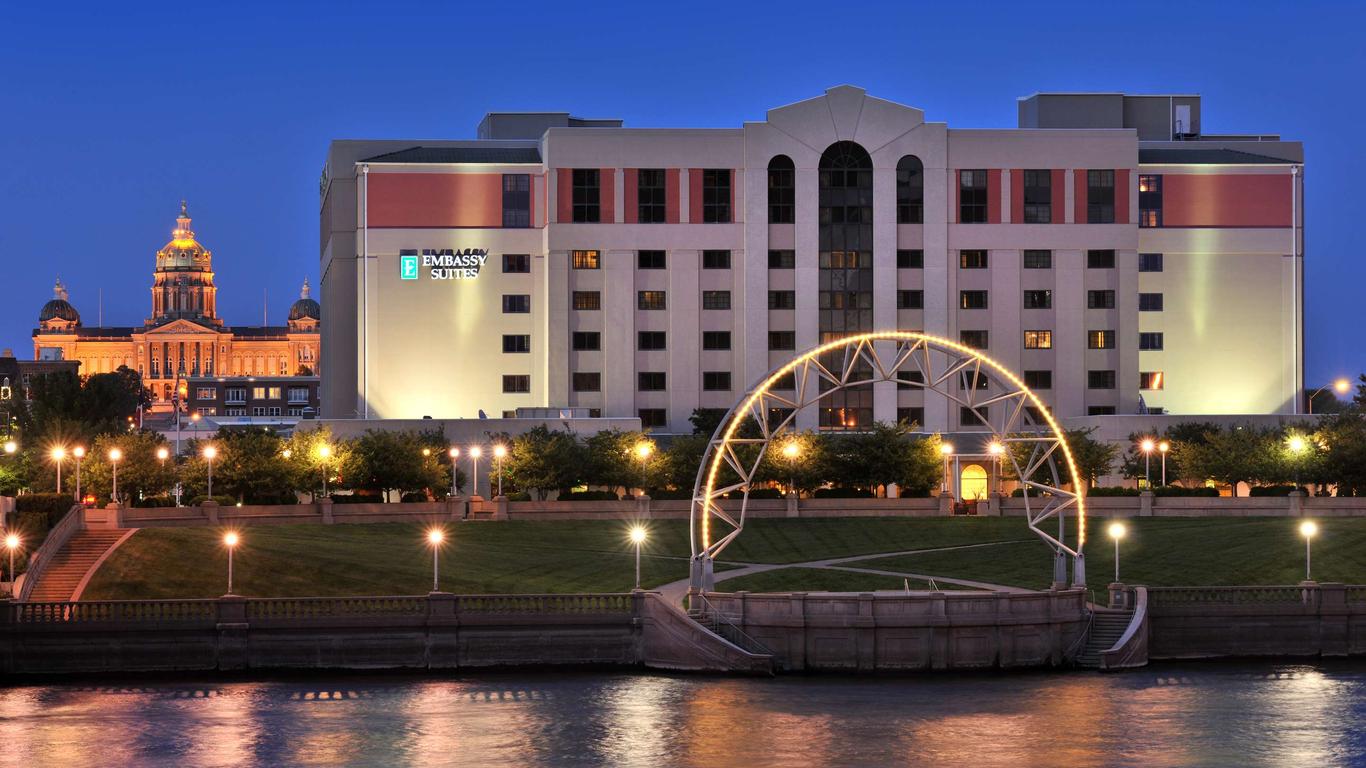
(677, 590)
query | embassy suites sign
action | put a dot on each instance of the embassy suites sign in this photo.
(442, 264)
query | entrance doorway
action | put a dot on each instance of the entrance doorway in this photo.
(972, 483)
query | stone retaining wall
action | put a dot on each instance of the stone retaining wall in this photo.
(1212, 622)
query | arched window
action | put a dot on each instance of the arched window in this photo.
(910, 191)
(845, 279)
(782, 187)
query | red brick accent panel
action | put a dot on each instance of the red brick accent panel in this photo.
(564, 195)
(1017, 195)
(607, 198)
(1058, 187)
(630, 195)
(673, 192)
(1121, 195)
(994, 196)
(1222, 200)
(1079, 196)
(694, 195)
(436, 200)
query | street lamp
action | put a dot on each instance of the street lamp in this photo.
(11, 447)
(455, 455)
(194, 423)
(58, 453)
(791, 451)
(114, 456)
(1162, 448)
(1308, 529)
(475, 453)
(499, 451)
(1117, 532)
(638, 538)
(79, 453)
(1147, 446)
(434, 537)
(210, 453)
(1340, 386)
(324, 451)
(230, 540)
(163, 455)
(12, 543)
(945, 450)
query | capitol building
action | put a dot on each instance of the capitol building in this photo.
(184, 337)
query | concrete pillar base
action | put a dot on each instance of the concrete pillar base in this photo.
(325, 511)
(500, 507)
(1145, 504)
(793, 505)
(642, 507)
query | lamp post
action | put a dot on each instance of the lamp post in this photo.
(79, 453)
(1162, 448)
(230, 540)
(434, 538)
(996, 449)
(638, 538)
(57, 455)
(324, 451)
(475, 453)
(1296, 444)
(11, 447)
(1339, 386)
(162, 455)
(1147, 447)
(1308, 529)
(790, 452)
(1117, 532)
(114, 455)
(194, 425)
(946, 450)
(455, 470)
(499, 452)
(210, 453)
(11, 543)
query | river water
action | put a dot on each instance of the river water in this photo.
(1175, 715)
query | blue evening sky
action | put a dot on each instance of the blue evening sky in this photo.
(110, 113)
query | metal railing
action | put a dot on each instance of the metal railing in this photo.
(61, 533)
(709, 615)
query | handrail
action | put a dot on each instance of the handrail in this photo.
(1074, 649)
(61, 533)
(726, 627)
(1137, 620)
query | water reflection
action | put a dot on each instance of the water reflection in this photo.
(1161, 716)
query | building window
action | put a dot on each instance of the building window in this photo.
(586, 381)
(1038, 339)
(205, 393)
(785, 382)
(782, 340)
(516, 303)
(651, 196)
(782, 259)
(650, 381)
(587, 341)
(1100, 299)
(782, 190)
(1038, 197)
(1149, 302)
(516, 343)
(716, 381)
(589, 300)
(1100, 197)
(587, 192)
(235, 395)
(516, 200)
(972, 197)
(517, 383)
(910, 378)
(974, 418)
(650, 341)
(1038, 259)
(516, 263)
(1038, 379)
(716, 259)
(1100, 339)
(295, 412)
(1150, 341)
(911, 415)
(910, 299)
(972, 299)
(973, 339)
(650, 260)
(716, 339)
(298, 394)
(1149, 200)
(1150, 380)
(585, 259)
(715, 195)
(1038, 299)
(910, 190)
(1104, 259)
(910, 259)
(650, 300)
(972, 259)
(782, 299)
(653, 418)
(1100, 379)
(1149, 262)
(1100, 410)
(716, 299)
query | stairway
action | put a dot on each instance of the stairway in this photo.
(1107, 626)
(71, 564)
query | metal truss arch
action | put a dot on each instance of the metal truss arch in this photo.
(1033, 439)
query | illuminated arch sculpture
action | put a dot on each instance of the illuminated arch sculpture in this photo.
(943, 366)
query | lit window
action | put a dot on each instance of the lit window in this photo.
(1100, 340)
(585, 260)
(1038, 339)
(650, 300)
(1150, 380)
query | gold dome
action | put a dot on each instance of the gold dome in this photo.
(183, 252)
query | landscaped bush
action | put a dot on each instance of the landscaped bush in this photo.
(765, 493)
(1176, 490)
(416, 497)
(52, 506)
(154, 501)
(223, 501)
(359, 497)
(1271, 490)
(589, 496)
(670, 494)
(843, 493)
(519, 496)
(1112, 492)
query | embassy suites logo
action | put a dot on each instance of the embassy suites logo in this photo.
(442, 264)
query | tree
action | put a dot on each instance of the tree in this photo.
(1344, 452)
(886, 453)
(1179, 438)
(304, 455)
(805, 466)
(615, 459)
(385, 461)
(1094, 459)
(676, 467)
(705, 420)
(141, 473)
(250, 466)
(1237, 454)
(541, 460)
(99, 404)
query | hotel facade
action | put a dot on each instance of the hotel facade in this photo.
(1119, 258)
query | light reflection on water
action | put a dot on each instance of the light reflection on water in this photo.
(1241, 715)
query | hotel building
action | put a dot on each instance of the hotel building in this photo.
(1120, 258)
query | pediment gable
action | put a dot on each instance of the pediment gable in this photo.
(180, 328)
(846, 113)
